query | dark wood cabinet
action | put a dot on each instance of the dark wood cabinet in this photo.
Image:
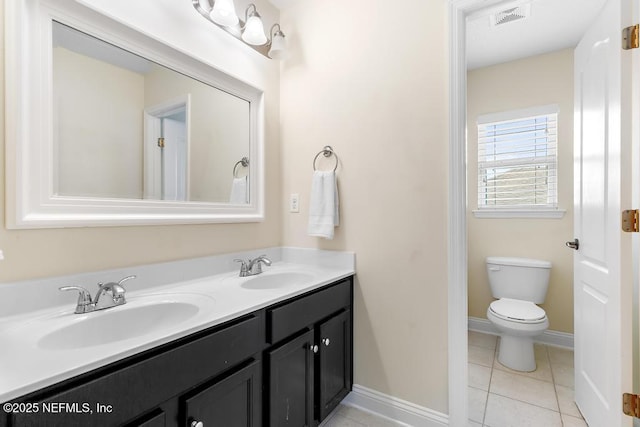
(234, 401)
(334, 377)
(310, 373)
(156, 419)
(291, 381)
(289, 364)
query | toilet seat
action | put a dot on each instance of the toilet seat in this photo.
(517, 311)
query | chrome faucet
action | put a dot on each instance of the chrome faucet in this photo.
(255, 265)
(86, 304)
(252, 267)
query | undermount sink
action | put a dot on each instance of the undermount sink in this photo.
(144, 316)
(276, 280)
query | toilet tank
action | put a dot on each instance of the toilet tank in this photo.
(518, 278)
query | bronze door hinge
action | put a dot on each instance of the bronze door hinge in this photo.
(631, 37)
(630, 221)
(631, 405)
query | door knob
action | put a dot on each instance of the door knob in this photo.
(326, 342)
(313, 348)
(573, 245)
(195, 423)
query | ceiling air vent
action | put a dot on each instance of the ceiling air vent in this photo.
(512, 14)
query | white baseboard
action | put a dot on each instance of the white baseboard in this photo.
(558, 339)
(395, 409)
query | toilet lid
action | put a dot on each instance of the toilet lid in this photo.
(517, 310)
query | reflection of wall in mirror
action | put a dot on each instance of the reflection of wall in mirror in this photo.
(219, 131)
(97, 137)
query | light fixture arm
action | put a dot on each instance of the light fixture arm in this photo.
(272, 34)
(199, 8)
(246, 13)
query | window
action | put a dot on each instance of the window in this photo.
(517, 162)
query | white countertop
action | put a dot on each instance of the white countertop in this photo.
(26, 365)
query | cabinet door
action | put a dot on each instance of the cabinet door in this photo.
(232, 402)
(156, 419)
(291, 383)
(334, 374)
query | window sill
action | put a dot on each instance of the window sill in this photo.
(519, 213)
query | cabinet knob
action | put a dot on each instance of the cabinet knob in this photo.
(313, 348)
(326, 342)
(195, 423)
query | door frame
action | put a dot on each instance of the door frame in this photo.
(458, 10)
(457, 218)
(458, 320)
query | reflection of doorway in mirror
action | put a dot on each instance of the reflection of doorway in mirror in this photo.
(173, 163)
(166, 150)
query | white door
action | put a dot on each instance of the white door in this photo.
(602, 171)
(174, 159)
(166, 168)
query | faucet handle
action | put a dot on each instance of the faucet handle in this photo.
(244, 267)
(133, 276)
(117, 285)
(243, 263)
(84, 297)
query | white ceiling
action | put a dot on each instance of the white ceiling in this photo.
(552, 25)
(92, 47)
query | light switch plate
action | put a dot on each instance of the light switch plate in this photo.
(294, 203)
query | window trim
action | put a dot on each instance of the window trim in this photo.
(519, 211)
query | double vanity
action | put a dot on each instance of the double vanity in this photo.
(269, 349)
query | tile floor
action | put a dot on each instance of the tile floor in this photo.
(501, 397)
(346, 416)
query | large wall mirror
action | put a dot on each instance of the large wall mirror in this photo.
(111, 127)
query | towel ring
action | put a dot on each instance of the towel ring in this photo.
(244, 162)
(327, 151)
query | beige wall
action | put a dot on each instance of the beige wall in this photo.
(104, 163)
(535, 81)
(371, 80)
(50, 252)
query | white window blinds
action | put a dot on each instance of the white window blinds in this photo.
(517, 160)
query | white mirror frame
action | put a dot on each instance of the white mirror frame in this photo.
(29, 125)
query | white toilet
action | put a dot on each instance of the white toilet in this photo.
(520, 284)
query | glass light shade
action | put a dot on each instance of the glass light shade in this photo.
(204, 4)
(254, 31)
(224, 13)
(278, 49)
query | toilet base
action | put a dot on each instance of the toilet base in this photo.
(517, 353)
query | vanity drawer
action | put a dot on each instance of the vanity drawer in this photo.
(289, 318)
(131, 388)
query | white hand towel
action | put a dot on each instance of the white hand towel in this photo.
(323, 208)
(239, 191)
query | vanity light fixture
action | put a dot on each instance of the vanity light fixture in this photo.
(278, 43)
(251, 31)
(224, 13)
